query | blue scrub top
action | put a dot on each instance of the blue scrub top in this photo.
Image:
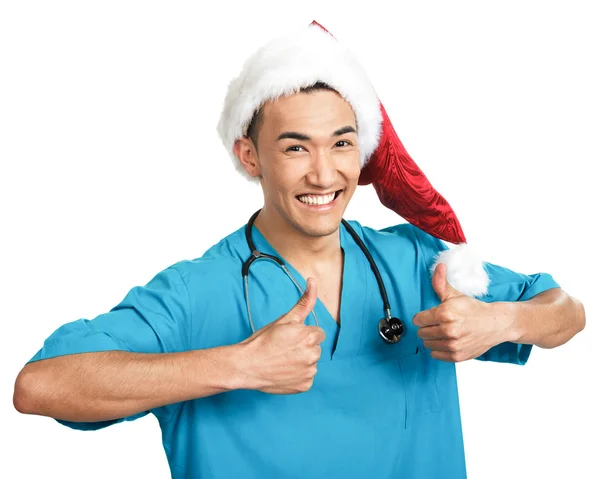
(374, 410)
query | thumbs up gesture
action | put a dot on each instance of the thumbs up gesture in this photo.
(281, 358)
(461, 327)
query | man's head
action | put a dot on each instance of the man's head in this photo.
(304, 150)
(309, 84)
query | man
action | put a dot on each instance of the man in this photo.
(248, 381)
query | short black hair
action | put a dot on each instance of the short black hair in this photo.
(258, 117)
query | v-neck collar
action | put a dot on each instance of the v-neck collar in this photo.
(345, 335)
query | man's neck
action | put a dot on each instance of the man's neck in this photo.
(301, 250)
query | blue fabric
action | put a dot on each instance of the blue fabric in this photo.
(374, 410)
(505, 285)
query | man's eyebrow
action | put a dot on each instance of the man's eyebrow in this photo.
(343, 130)
(294, 135)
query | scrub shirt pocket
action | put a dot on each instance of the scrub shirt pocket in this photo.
(417, 368)
(419, 376)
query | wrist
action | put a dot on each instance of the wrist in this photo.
(507, 316)
(238, 368)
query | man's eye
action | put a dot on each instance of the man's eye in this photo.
(294, 148)
(343, 141)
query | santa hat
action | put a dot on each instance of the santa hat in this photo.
(287, 64)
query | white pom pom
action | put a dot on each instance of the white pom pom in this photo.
(465, 270)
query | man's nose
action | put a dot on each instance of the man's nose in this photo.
(323, 170)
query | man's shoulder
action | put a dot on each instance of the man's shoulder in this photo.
(403, 239)
(401, 232)
(223, 260)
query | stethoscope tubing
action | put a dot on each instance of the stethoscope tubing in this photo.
(247, 293)
(390, 328)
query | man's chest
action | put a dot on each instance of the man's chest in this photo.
(348, 308)
(330, 297)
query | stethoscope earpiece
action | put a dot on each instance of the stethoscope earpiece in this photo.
(391, 329)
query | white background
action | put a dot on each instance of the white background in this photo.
(112, 170)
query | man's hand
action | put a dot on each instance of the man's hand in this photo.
(281, 358)
(461, 327)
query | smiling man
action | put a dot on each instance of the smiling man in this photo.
(302, 345)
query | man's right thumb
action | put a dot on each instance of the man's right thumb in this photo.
(306, 303)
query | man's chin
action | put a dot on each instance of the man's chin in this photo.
(321, 228)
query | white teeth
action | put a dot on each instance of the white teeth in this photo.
(317, 199)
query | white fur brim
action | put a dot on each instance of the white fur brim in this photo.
(465, 271)
(295, 61)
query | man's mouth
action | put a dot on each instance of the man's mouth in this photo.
(319, 200)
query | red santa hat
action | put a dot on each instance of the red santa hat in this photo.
(298, 60)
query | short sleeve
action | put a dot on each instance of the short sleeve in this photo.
(508, 285)
(154, 318)
(505, 285)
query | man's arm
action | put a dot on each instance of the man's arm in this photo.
(462, 327)
(279, 358)
(547, 320)
(108, 385)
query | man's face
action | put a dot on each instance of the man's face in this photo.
(308, 160)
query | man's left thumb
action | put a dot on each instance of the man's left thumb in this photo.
(441, 285)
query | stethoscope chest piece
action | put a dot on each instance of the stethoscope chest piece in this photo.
(391, 329)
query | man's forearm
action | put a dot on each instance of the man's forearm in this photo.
(108, 385)
(547, 320)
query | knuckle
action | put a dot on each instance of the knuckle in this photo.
(451, 331)
(446, 313)
(318, 336)
(304, 385)
(456, 356)
(317, 354)
(303, 301)
(314, 335)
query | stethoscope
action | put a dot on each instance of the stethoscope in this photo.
(390, 328)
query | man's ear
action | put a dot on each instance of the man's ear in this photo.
(246, 152)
